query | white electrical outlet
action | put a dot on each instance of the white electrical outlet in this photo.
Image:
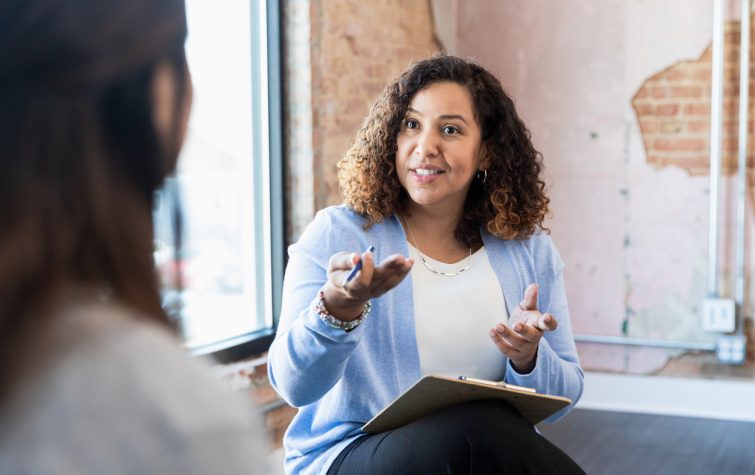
(719, 315)
(731, 349)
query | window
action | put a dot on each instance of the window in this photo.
(229, 184)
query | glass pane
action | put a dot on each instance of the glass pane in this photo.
(215, 181)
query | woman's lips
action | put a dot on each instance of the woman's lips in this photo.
(425, 175)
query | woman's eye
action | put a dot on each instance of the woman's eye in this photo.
(411, 124)
(450, 130)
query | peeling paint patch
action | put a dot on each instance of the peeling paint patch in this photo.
(672, 108)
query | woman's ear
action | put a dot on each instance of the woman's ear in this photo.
(485, 160)
(163, 97)
(164, 91)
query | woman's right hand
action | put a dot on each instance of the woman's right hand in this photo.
(347, 302)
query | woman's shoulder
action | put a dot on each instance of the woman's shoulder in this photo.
(339, 214)
(543, 251)
(338, 225)
(539, 239)
(108, 366)
(147, 355)
(108, 346)
(538, 247)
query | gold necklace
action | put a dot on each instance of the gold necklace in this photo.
(427, 264)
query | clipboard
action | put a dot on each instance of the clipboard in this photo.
(433, 393)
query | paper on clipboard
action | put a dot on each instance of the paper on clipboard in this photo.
(433, 393)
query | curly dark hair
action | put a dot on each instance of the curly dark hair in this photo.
(511, 203)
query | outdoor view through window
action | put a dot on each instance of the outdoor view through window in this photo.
(215, 183)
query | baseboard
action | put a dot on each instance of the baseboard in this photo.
(714, 399)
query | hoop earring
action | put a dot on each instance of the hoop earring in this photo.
(484, 176)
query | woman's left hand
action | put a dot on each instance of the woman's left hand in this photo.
(519, 341)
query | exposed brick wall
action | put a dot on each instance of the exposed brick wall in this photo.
(339, 55)
(673, 110)
(357, 47)
(300, 203)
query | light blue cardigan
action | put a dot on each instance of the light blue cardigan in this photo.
(340, 380)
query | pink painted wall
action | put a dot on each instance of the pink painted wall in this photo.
(633, 235)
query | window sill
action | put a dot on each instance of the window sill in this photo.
(238, 348)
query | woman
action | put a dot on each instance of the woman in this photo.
(443, 171)
(94, 104)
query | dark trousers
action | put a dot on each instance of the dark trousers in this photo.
(483, 437)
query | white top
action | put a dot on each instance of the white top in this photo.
(453, 316)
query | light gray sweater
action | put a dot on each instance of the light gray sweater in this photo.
(118, 395)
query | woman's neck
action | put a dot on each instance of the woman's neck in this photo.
(434, 233)
(434, 224)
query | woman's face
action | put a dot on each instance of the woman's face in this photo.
(439, 147)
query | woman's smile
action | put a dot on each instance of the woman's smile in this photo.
(426, 174)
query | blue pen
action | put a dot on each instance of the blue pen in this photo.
(356, 268)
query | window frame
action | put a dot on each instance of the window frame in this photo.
(268, 171)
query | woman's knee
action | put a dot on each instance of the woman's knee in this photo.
(489, 428)
(488, 418)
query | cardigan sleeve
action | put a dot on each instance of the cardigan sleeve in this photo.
(557, 369)
(308, 357)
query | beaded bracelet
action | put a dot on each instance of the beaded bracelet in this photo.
(332, 321)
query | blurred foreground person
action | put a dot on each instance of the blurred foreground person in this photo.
(94, 104)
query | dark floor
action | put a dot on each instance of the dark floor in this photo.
(620, 443)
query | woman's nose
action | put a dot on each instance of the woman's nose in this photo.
(427, 144)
